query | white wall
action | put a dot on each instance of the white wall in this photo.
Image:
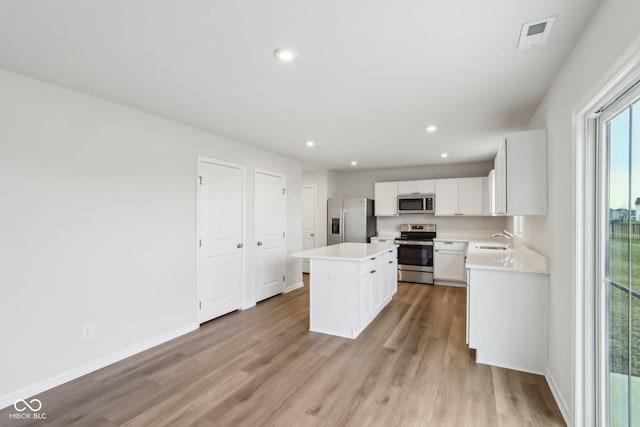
(612, 29)
(97, 225)
(361, 184)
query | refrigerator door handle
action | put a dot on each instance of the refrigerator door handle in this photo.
(343, 224)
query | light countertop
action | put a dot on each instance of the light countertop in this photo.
(467, 236)
(346, 251)
(520, 259)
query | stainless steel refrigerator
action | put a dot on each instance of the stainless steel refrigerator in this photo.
(350, 220)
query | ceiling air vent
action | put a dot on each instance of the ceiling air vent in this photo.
(535, 34)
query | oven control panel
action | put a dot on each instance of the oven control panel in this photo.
(418, 227)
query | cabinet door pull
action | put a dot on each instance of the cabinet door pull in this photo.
(373, 259)
(390, 262)
(372, 271)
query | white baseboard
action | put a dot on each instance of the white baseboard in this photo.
(562, 404)
(72, 374)
(294, 287)
(247, 306)
(479, 359)
(450, 283)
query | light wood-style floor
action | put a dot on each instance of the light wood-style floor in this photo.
(410, 367)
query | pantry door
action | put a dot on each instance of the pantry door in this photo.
(270, 243)
(220, 237)
(308, 221)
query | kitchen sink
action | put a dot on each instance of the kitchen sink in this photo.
(492, 247)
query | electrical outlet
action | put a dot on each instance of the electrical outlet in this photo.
(332, 276)
(87, 332)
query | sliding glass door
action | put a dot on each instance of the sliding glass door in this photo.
(620, 249)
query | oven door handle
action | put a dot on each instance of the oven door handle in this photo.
(413, 242)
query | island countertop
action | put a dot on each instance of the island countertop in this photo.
(346, 251)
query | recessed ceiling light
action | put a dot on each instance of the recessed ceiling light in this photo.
(431, 128)
(285, 55)
(444, 155)
(310, 143)
(354, 163)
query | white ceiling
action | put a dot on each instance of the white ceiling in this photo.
(369, 77)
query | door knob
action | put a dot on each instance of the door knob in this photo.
(259, 243)
(239, 246)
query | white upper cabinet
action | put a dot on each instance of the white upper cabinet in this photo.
(489, 208)
(521, 174)
(471, 196)
(460, 196)
(447, 196)
(500, 182)
(424, 186)
(386, 198)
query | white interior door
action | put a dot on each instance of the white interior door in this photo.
(309, 210)
(270, 233)
(220, 233)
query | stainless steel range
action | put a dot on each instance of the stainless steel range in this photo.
(415, 254)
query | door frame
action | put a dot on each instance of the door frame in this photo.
(257, 171)
(243, 227)
(587, 385)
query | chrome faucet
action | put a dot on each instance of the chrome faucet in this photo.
(506, 235)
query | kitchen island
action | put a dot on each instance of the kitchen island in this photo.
(350, 284)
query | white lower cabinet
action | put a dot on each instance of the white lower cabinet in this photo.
(507, 318)
(392, 275)
(365, 286)
(448, 261)
(377, 284)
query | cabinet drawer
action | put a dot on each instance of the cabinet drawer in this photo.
(371, 264)
(378, 261)
(449, 246)
(391, 254)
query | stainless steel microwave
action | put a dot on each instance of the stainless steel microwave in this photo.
(416, 204)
